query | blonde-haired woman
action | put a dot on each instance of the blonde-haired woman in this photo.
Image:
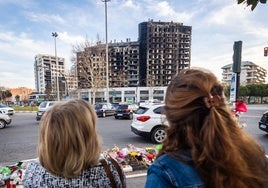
(204, 147)
(69, 151)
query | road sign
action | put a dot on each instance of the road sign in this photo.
(233, 88)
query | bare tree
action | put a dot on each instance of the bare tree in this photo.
(48, 92)
(91, 66)
(4, 94)
(119, 78)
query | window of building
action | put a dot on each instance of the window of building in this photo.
(144, 92)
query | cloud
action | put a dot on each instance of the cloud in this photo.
(168, 12)
(216, 25)
(131, 4)
(49, 18)
(19, 45)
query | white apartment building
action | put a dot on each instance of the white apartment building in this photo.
(250, 73)
(46, 71)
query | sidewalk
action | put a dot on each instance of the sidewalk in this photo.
(25, 112)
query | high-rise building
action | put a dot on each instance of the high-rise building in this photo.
(165, 48)
(124, 64)
(46, 71)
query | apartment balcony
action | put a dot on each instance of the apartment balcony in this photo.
(132, 78)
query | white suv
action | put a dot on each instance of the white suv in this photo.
(150, 121)
(6, 110)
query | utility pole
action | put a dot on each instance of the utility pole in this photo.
(57, 68)
(106, 45)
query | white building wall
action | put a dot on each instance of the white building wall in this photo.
(135, 96)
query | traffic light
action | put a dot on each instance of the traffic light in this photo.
(265, 51)
(237, 56)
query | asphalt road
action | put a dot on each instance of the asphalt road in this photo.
(18, 140)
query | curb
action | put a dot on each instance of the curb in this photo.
(135, 175)
(25, 112)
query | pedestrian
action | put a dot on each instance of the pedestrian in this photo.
(238, 110)
(203, 147)
(240, 106)
(69, 150)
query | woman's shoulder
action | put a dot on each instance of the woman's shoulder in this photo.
(172, 164)
(37, 175)
(34, 165)
(170, 170)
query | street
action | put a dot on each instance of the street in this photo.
(18, 141)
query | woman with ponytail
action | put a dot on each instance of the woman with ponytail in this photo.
(204, 147)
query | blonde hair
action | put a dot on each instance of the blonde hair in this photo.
(223, 154)
(68, 141)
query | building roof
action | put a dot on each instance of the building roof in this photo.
(243, 63)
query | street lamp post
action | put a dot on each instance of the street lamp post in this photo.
(107, 59)
(54, 34)
(64, 78)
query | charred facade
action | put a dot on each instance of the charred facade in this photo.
(162, 49)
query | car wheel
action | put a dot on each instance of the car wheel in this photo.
(115, 117)
(158, 135)
(103, 114)
(2, 124)
(130, 116)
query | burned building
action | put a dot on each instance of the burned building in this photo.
(162, 49)
(165, 48)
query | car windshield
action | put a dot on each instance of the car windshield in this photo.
(98, 106)
(43, 105)
(2, 106)
(141, 110)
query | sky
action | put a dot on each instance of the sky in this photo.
(26, 28)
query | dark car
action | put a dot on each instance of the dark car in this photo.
(263, 123)
(125, 111)
(104, 109)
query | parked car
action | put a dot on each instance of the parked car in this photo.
(125, 111)
(263, 123)
(43, 107)
(104, 109)
(6, 109)
(150, 121)
(4, 120)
